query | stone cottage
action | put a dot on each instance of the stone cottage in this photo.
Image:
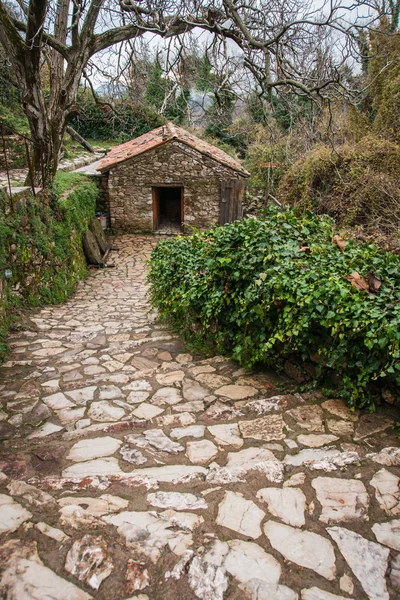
(169, 178)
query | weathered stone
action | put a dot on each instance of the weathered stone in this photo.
(240, 463)
(93, 448)
(236, 392)
(207, 582)
(70, 415)
(346, 584)
(192, 390)
(256, 589)
(25, 577)
(178, 420)
(184, 520)
(287, 504)
(132, 455)
(201, 452)
(213, 381)
(44, 431)
(240, 515)
(82, 395)
(308, 417)
(395, 573)
(316, 441)
(138, 385)
(192, 407)
(340, 409)
(317, 594)
(136, 576)
(147, 411)
(366, 559)
(304, 548)
(176, 500)
(322, 459)
(52, 532)
(294, 480)
(171, 473)
(340, 428)
(170, 378)
(148, 534)
(245, 561)
(265, 428)
(387, 491)
(196, 431)
(110, 392)
(155, 438)
(226, 435)
(104, 411)
(88, 561)
(99, 466)
(31, 495)
(266, 405)
(371, 424)
(389, 457)
(388, 533)
(166, 396)
(341, 499)
(12, 514)
(85, 511)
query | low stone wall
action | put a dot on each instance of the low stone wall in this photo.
(130, 186)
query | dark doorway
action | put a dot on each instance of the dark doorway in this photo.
(168, 208)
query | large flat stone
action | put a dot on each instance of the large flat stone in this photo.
(267, 428)
(340, 409)
(155, 439)
(239, 514)
(322, 459)
(236, 392)
(388, 533)
(387, 491)
(89, 449)
(309, 417)
(166, 396)
(25, 577)
(148, 534)
(256, 589)
(99, 466)
(315, 593)
(104, 411)
(171, 473)
(176, 500)
(288, 504)
(303, 548)
(245, 561)
(226, 435)
(341, 499)
(367, 560)
(12, 514)
(316, 441)
(201, 452)
(371, 425)
(88, 561)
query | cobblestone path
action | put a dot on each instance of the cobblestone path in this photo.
(131, 469)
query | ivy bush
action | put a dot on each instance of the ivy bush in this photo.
(41, 242)
(267, 290)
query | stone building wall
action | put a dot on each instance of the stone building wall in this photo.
(130, 186)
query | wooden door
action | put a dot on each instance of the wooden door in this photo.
(231, 208)
(156, 209)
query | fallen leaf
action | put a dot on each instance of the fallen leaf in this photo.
(374, 282)
(358, 282)
(305, 249)
(339, 241)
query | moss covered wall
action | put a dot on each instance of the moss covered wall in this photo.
(41, 243)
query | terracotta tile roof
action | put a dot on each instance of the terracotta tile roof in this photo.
(161, 135)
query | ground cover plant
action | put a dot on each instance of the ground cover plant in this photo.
(267, 290)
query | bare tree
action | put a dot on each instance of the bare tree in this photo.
(273, 37)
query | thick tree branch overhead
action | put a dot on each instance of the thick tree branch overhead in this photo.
(276, 40)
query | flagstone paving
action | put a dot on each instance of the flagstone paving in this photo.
(131, 469)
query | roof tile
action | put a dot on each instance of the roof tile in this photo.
(161, 135)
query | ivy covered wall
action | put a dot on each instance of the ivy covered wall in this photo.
(41, 244)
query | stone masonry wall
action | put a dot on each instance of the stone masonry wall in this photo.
(130, 186)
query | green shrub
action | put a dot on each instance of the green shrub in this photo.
(41, 242)
(247, 289)
(357, 184)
